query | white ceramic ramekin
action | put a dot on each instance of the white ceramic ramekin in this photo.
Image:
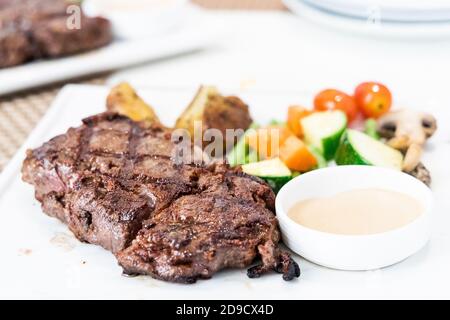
(353, 252)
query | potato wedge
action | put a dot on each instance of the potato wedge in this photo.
(194, 112)
(124, 100)
(214, 111)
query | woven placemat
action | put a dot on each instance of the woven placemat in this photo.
(20, 113)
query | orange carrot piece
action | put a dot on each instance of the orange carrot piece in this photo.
(267, 141)
(295, 115)
(296, 155)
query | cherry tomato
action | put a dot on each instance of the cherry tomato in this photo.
(373, 99)
(331, 99)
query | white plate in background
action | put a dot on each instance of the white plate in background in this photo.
(121, 53)
(389, 10)
(133, 19)
(45, 261)
(372, 27)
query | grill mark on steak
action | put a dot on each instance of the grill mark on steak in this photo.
(86, 134)
(134, 134)
(175, 222)
(207, 233)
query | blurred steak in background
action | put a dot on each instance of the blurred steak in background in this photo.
(15, 47)
(34, 29)
(53, 39)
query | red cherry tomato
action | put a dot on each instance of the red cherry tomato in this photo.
(373, 99)
(331, 99)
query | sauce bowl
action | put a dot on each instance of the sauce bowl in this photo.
(353, 252)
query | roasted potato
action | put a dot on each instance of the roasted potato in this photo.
(215, 111)
(194, 112)
(124, 100)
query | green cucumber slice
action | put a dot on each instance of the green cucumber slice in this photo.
(241, 154)
(358, 148)
(274, 171)
(370, 128)
(323, 131)
(321, 162)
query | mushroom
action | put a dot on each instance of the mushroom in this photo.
(421, 173)
(407, 131)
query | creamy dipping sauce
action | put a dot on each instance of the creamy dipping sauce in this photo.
(357, 212)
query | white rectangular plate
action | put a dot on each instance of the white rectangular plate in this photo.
(42, 259)
(190, 37)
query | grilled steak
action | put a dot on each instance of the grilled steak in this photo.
(23, 14)
(115, 183)
(34, 29)
(15, 47)
(53, 39)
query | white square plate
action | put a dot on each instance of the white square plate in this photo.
(191, 36)
(42, 259)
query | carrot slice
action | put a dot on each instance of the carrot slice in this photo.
(267, 141)
(295, 115)
(296, 155)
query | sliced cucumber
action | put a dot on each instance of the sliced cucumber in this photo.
(296, 174)
(252, 156)
(241, 154)
(323, 131)
(359, 148)
(321, 162)
(370, 128)
(274, 171)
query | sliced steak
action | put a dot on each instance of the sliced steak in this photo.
(23, 14)
(52, 38)
(115, 183)
(34, 29)
(14, 47)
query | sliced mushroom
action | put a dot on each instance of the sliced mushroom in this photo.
(422, 173)
(407, 131)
